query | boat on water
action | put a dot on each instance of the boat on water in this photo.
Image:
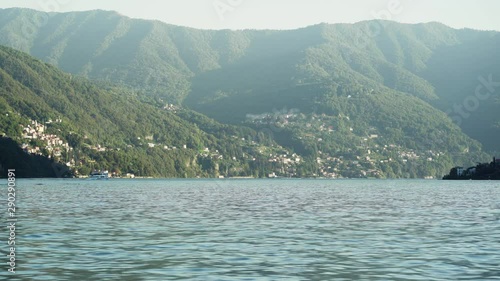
(99, 175)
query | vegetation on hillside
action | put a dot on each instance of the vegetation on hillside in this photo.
(382, 106)
(87, 126)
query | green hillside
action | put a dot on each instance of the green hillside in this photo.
(104, 127)
(363, 104)
(435, 63)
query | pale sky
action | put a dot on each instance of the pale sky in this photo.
(285, 14)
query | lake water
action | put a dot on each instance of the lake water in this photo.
(255, 230)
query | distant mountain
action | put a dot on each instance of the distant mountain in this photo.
(92, 126)
(369, 90)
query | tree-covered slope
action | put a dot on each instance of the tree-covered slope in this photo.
(146, 55)
(100, 126)
(163, 58)
(399, 82)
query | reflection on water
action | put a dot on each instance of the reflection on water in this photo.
(257, 230)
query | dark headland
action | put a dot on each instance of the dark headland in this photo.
(483, 171)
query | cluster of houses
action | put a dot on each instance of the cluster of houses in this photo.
(282, 117)
(364, 162)
(151, 144)
(285, 163)
(171, 107)
(206, 152)
(53, 144)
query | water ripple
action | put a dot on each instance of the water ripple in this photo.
(258, 230)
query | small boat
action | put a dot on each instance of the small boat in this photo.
(99, 175)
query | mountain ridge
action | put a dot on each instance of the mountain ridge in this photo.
(321, 69)
(255, 29)
(75, 121)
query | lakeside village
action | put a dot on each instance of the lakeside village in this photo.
(483, 171)
(369, 158)
(37, 141)
(367, 162)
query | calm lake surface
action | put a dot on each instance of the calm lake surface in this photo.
(255, 230)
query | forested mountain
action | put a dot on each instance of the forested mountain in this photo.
(383, 99)
(105, 127)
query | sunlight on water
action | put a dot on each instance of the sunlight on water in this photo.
(257, 230)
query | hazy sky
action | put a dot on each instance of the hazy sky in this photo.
(285, 14)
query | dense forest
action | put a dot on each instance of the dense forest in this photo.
(408, 101)
(106, 127)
